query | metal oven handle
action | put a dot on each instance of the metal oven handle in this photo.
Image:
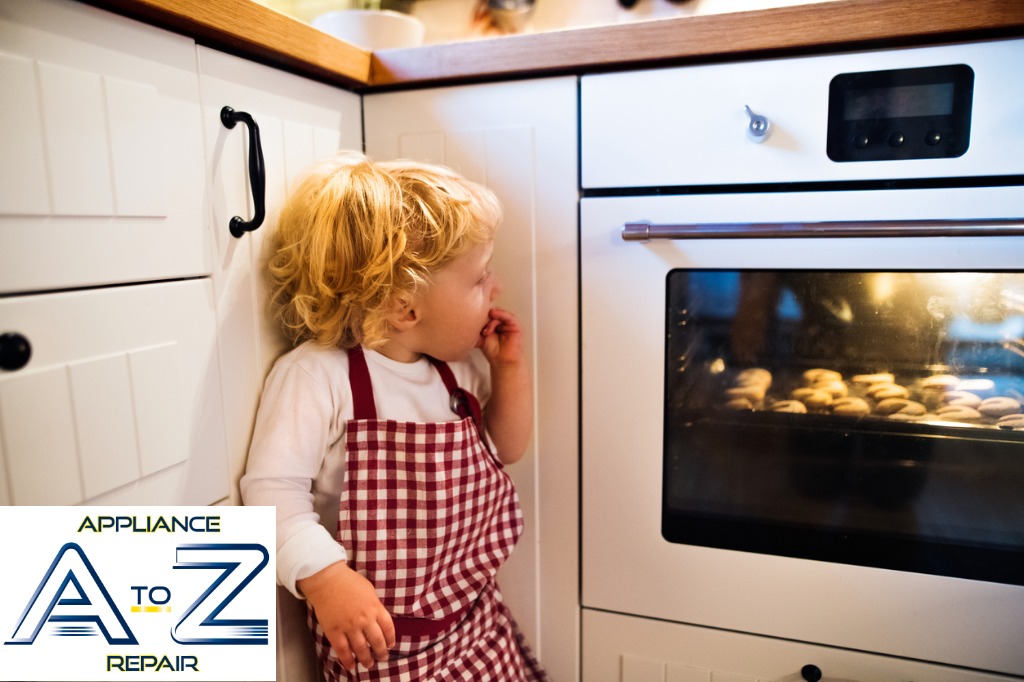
(1006, 227)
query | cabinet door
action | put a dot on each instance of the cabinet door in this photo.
(102, 165)
(520, 140)
(299, 122)
(120, 401)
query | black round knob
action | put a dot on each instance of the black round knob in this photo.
(933, 138)
(628, 4)
(15, 350)
(811, 673)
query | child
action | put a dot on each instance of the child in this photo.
(372, 425)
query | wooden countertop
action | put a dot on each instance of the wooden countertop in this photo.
(252, 30)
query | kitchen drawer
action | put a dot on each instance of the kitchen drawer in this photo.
(619, 648)
(687, 126)
(102, 170)
(120, 401)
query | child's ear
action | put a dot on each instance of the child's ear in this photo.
(401, 314)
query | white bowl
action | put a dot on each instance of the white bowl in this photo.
(372, 29)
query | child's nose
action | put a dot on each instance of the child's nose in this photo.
(495, 287)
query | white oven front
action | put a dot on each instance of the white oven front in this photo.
(631, 562)
(802, 341)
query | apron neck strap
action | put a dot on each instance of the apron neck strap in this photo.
(359, 381)
(463, 403)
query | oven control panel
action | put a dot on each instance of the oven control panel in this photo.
(940, 111)
(919, 113)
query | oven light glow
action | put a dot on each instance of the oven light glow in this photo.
(882, 286)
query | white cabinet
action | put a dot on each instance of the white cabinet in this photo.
(520, 140)
(120, 402)
(101, 175)
(619, 648)
(299, 122)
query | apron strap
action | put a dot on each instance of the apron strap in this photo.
(463, 403)
(359, 381)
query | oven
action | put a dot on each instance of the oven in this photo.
(802, 339)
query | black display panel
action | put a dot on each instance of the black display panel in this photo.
(868, 418)
(922, 113)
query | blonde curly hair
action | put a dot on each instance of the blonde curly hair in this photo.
(356, 238)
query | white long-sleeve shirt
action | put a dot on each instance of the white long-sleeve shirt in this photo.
(297, 457)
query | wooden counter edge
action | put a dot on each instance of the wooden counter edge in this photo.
(793, 29)
(252, 30)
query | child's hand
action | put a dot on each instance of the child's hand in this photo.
(356, 623)
(509, 412)
(502, 339)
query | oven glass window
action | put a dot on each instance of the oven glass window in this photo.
(870, 418)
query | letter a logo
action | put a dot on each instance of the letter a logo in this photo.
(72, 592)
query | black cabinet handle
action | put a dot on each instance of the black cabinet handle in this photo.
(15, 351)
(257, 172)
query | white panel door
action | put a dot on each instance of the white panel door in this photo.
(520, 140)
(102, 165)
(119, 402)
(299, 122)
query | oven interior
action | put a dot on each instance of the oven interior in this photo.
(868, 418)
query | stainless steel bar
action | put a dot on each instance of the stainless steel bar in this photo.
(1007, 227)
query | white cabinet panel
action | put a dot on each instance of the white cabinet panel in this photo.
(520, 140)
(41, 457)
(106, 447)
(23, 163)
(300, 121)
(140, 181)
(77, 146)
(103, 162)
(120, 400)
(159, 407)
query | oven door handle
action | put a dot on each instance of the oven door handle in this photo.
(1006, 227)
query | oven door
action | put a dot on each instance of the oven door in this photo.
(898, 535)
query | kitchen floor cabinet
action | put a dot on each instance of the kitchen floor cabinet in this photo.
(618, 648)
(104, 260)
(520, 140)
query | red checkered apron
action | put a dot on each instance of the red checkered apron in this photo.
(428, 516)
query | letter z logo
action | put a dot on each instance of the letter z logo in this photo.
(208, 620)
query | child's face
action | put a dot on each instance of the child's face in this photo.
(454, 308)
